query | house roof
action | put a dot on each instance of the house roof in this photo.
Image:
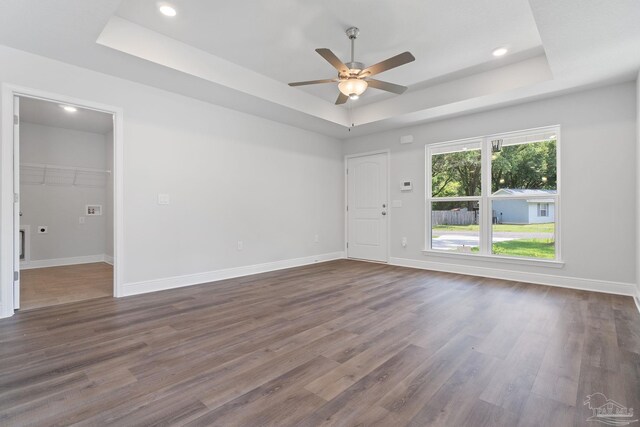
(540, 201)
(524, 192)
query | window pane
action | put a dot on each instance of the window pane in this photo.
(524, 228)
(454, 226)
(520, 167)
(457, 172)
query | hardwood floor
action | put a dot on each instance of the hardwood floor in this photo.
(338, 343)
(42, 287)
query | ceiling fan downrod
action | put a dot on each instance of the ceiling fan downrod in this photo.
(354, 66)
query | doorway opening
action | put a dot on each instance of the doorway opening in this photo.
(20, 252)
(64, 156)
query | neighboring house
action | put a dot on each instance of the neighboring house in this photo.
(524, 211)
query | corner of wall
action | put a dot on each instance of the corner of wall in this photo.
(637, 298)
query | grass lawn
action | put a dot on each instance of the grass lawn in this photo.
(530, 248)
(524, 228)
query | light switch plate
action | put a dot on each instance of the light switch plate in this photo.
(93, 210)
(163, 199)
(396, 203)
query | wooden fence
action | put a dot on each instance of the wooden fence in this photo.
(454, 217)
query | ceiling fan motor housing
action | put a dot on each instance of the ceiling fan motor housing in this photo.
(355, 67)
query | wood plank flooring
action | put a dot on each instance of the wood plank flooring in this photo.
(42, 287)
(340, 343)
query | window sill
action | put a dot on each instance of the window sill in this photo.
(497, 258)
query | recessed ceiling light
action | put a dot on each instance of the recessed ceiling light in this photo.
(69, 108)
(501, 51)
(167, 10)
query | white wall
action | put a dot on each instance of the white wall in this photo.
(598, 163)
(60, 207)
(638, 185)
(230, 176)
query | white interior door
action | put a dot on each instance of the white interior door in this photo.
(367, 207)
(17, 242)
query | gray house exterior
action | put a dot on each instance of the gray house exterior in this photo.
(524, 211)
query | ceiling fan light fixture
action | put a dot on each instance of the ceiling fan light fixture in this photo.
(353, 87)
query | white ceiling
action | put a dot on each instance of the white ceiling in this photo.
(279, 38)
(48, 113)
(241, 54)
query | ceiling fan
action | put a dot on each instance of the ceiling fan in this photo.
(353, 78)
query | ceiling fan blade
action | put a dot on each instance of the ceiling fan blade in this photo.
(388, 64)
(313, 82)
(389, 87)
(333, 60)
(342, 98)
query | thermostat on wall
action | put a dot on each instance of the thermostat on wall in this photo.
(406, 186)
(93, 210)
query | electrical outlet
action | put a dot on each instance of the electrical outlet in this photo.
(43, 229)
(316, 238)
(81, 219)
(404, 242)
(240, 245)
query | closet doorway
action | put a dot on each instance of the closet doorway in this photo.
(64, 157)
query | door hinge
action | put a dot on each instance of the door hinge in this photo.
(347, 208)
(347, 245)
(16, 197)
(16, 119)
(347, 171)
(16, 276)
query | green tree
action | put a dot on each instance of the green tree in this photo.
(531, 166)
(456, 174)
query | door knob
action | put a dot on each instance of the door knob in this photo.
(384, 213)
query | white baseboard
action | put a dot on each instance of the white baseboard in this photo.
(108, 259)
(618, 288)
(228, 273)
(57, 262)
(636, 299)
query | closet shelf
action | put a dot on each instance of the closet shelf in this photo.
(41, 174)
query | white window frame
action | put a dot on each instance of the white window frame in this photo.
(486, 198)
